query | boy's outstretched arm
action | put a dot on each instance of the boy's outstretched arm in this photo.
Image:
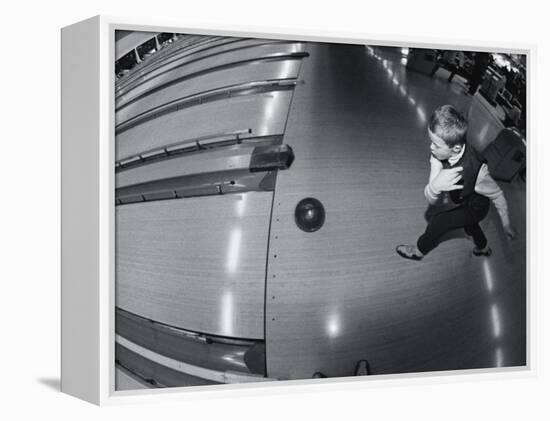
(486, 186)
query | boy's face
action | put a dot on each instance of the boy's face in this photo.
(440, 149)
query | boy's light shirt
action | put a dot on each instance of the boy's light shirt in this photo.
(485, 185)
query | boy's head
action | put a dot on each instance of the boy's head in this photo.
(447, 130)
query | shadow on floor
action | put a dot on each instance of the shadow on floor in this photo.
(53, 383)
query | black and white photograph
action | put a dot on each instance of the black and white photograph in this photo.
(294, 209)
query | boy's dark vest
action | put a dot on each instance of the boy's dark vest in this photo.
(471, 163)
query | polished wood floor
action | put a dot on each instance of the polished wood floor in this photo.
(341, 294)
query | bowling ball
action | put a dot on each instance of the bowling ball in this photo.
(309, 214)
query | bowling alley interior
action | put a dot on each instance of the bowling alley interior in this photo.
(274, 198)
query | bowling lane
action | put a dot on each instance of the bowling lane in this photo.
(263, 114)
(229, 77)
(182, 52)
(197, 264)
(187, 67)
(341, 294)
(164, 57)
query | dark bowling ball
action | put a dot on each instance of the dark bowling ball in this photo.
(309, 214)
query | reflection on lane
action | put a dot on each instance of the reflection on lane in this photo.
(488, 275)
(227, 313)
(233, 250)
(392, 76)
(333, 325)
(498, 357)
(495, 318)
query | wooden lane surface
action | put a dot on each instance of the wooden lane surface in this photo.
(158, 60)
(265, 114)
(178, 53)
(341, 294)
(197, 263)
(223, 159)
(226, 78)
(198, 65)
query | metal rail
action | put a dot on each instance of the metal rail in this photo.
(248, 88)
(192, 370)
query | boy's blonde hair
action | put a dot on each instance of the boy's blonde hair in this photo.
(449, 125)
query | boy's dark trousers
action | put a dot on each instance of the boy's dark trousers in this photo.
(467, 215)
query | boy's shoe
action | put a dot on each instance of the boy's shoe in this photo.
(482, 252)
(408, 252)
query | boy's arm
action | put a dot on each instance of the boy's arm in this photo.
(432, 194)
(486, 186)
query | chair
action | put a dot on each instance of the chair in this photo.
(506, 155)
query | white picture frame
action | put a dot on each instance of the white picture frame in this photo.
(88, 226)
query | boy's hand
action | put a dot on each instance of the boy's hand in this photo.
(446, 179)
(510, 231)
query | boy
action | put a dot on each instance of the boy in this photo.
(459, 176)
